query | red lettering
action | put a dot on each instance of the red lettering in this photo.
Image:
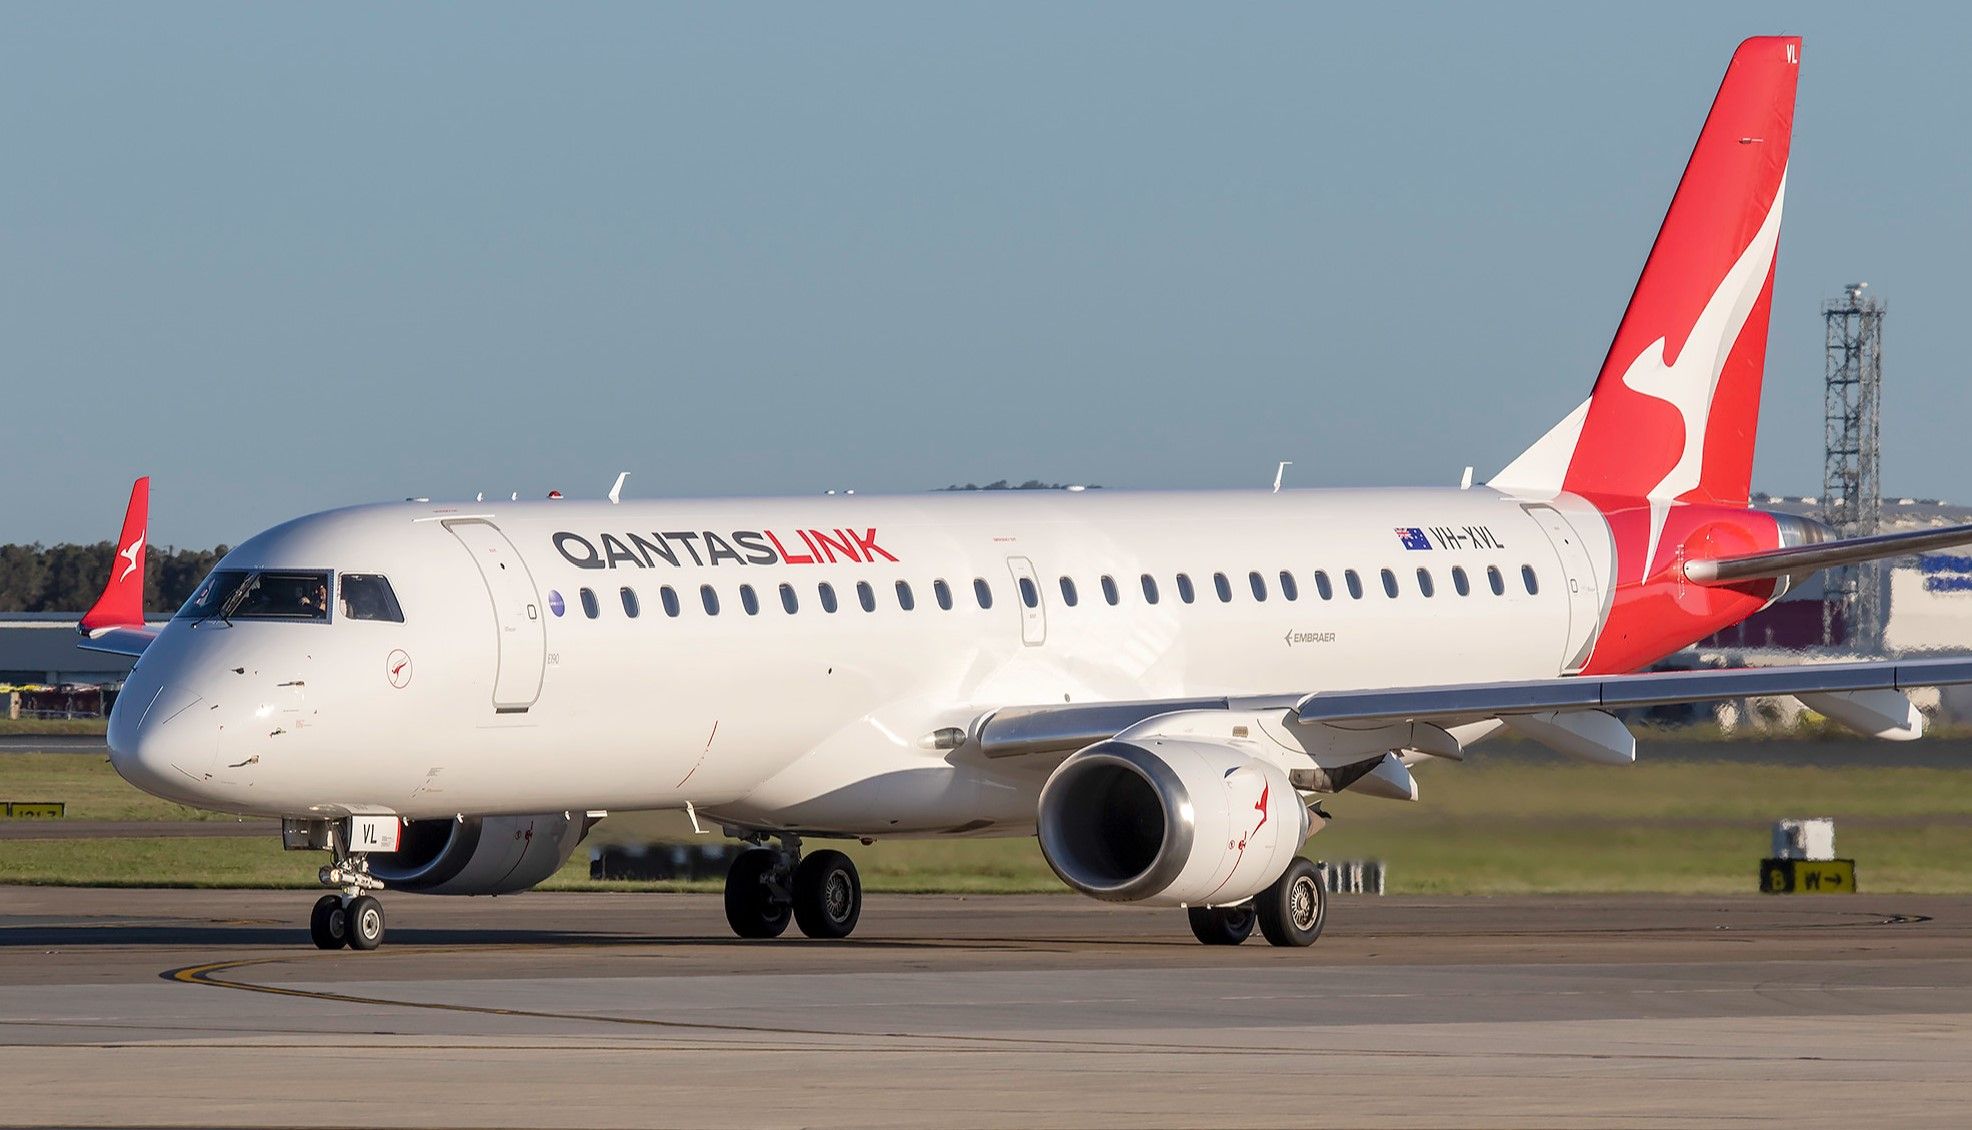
(787, 557)
(830, 545)
(867, 540)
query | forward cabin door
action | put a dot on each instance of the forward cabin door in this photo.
(522, 635)
(1027, 594)
(1578, 577)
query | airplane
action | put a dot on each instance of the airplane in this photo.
(1162, 687)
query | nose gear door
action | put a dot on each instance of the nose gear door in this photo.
(521, 633)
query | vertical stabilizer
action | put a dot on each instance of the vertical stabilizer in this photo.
(1675, 409)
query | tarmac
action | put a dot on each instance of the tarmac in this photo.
(180, 1008)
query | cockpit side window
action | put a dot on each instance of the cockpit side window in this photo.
(367, 596)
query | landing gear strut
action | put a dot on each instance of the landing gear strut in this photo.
(352, 918)
(768, 886)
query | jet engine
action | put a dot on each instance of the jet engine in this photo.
(480, 855)
(1170, 822)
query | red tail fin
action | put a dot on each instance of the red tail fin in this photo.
(1676, 406)
(122, 602)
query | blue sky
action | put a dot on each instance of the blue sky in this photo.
(285, 258)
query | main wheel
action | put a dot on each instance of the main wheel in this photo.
(828, 895)
(1221, 925)
(328, 924)
(751, 909)
(1291, 911)
(365, 923)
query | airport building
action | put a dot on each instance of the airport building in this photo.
(44, 674)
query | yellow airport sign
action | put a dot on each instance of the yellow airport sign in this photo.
(33, 809)
(1808, 876)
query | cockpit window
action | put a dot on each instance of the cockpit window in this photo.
(234, 594)
(367, 596)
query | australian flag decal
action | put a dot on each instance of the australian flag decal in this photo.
(1413, 538)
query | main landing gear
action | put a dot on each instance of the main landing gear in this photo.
(1289, 913)
(767, 886)
(353, 918)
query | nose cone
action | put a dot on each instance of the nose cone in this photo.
(159, 742)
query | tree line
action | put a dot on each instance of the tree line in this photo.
(68, 577)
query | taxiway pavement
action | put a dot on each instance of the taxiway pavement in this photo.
(210, 1008)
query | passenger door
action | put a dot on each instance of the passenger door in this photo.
(521, 634)
(1578, 574)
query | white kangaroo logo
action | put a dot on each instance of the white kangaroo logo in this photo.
(130, 555)
(1689, 383)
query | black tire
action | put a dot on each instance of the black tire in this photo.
(328, 925)
(1293, 910)
(751, 909)
(365, 923)
(828, 895)
(1222, 925)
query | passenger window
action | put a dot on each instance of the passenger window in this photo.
(1259, 586)
(709, 597)
(827, 592)
(1494, 579)
(749, 601)
(669, 600)
(367, 596)
(1149, 589)
(1185, 592)
(1223, 586)
(1068, 594)
(630, 608)
(982, 592)
(1424, 584)
(905, 600)
(1389, 584)
(1030, 594)
(1460, 582)
(589, 606)
(1354, 583)
(789, 601)
(1288, 589)
(1527, 578)
(943, 592)
(1109, 592)
(1322, 588)
(866, 596)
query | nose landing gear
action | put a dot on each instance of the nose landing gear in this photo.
(352, 918)
(822, 894)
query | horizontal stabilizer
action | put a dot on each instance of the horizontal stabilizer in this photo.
(120, 641)
(1822, 555)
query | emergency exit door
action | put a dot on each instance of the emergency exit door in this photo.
(1027, 594)
(522, 636)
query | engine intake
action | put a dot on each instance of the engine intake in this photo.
(489, 855)
(1170, 822)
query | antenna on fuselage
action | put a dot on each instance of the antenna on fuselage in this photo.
(1465, 480)
(1280, 472)
(514, 497)
(616, 492)
(480, 497)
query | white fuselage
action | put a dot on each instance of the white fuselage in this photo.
(482, 701)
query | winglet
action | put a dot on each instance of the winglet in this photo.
(122, 602)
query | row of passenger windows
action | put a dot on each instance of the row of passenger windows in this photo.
(982, 593)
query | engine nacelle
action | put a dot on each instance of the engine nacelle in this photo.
(1169, 821)
(480, 855)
